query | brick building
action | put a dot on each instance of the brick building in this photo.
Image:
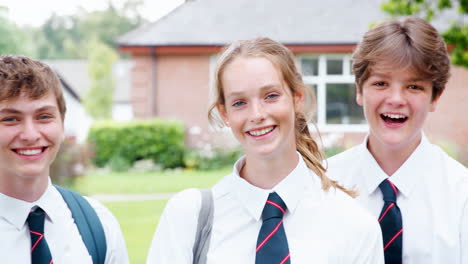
(174, 58)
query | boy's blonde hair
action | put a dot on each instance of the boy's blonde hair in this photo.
(411, 43)
(21, 75)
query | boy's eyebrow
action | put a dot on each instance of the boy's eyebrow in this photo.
(10, 111)
(16, 111)
(384, 75)
(417, 80)
(380, 74)
(46, 108)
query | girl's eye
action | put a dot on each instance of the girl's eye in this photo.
(238, 104)
(272, 96)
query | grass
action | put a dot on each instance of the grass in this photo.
(138, 219)
(138, 222)
(105, 182)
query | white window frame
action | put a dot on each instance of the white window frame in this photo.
(321, 80)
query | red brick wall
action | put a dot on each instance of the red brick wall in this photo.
(143, 86)
(449, 122)
(183, 90)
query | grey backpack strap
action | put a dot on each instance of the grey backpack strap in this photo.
(205, 221)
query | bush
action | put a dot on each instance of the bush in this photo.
(126, 142)
(70, 162)
(208, 158)
(119, 163)
(332, 151)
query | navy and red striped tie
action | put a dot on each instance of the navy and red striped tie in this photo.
(391, 224)
(40, 253)
(272, 245)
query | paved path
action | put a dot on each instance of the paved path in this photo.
(131, 197)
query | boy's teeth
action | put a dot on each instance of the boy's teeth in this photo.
(30, 152)
(261, 131)
(395, 116)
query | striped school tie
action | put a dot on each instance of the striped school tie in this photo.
(272, 245)
(40, 253)
(391, 224)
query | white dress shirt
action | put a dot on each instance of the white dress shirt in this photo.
(321, 227)
(61, 233)
(433, 199)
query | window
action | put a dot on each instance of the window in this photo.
(330, 79)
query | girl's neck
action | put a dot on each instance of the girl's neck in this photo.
(390, 159)
(267, 172)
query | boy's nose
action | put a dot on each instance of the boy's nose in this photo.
(396, 96)
(30, 132)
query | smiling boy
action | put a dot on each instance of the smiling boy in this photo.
(416, 191)
(36, 223)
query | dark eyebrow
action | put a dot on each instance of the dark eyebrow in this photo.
(47, 108)
(380, 75)
(16, 111)
(9, 111)
(417, 80)
(386, 76)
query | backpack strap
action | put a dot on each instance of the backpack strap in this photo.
(88, 224)
(205, 222)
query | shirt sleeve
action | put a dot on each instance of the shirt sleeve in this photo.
(174, 237)
(116, 248)
(464, 234)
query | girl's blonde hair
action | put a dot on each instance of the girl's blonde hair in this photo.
(283, 59)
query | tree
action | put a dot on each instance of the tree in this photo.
(63, 37)
(53, 35)
(13, 39)
(99, 97)
(456, 35)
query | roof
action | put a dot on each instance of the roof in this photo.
(292, 22)
(68, 88)
(75, 74)
(217, 22)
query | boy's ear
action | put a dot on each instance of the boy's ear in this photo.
(358, 96)
(434, 102)
(222, 112)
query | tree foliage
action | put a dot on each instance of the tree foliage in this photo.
(13, 39)
(66, 37)
(99, 97)
(456, 35)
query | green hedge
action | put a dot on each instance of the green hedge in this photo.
(123, 143)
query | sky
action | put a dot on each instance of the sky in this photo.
(35, 12)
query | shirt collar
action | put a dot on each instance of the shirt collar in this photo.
(291, 189)
(405, 178)
(413, 170)
(16, 211)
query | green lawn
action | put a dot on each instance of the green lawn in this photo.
(98, 182)
(138, 219)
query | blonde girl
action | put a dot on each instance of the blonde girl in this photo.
(277, 206)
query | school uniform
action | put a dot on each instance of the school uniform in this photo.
(61, 233)
(433, 199)
(321, 227)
